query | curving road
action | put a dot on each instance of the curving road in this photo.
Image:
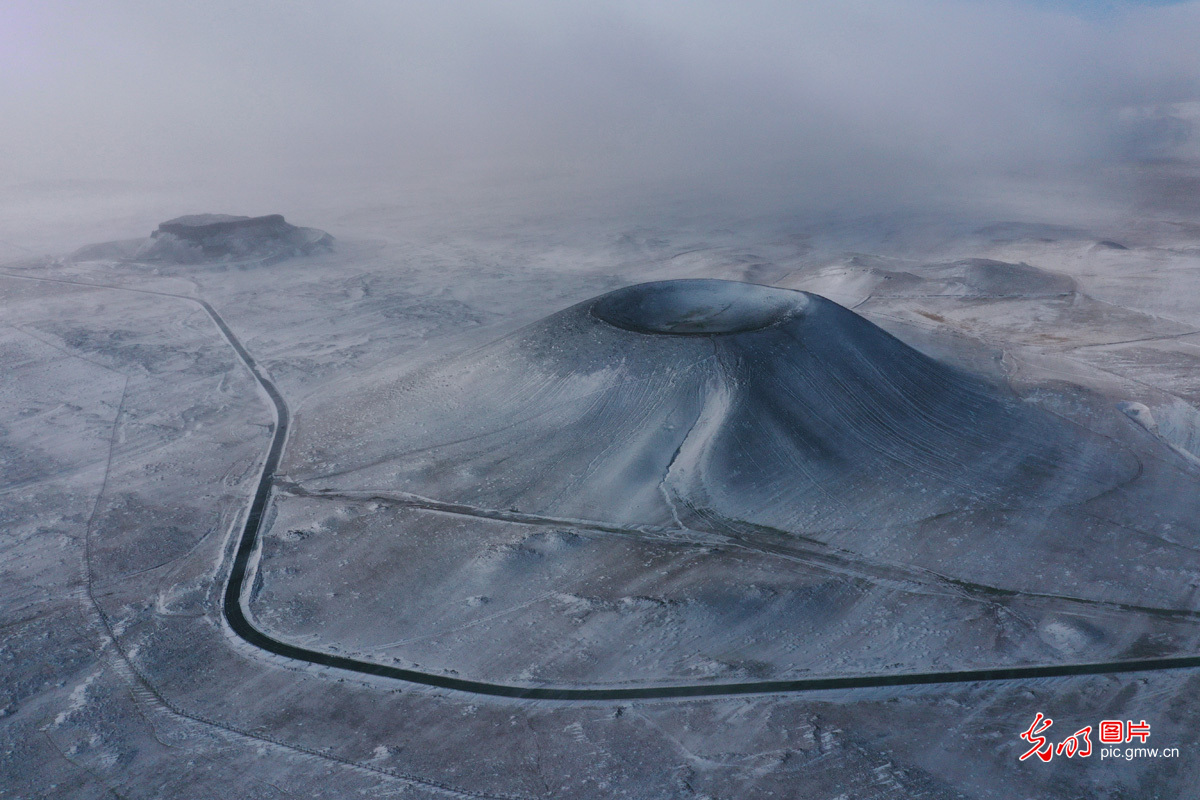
(239, 579)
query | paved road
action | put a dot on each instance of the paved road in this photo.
(240, 578)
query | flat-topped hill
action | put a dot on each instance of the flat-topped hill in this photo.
(224, 237)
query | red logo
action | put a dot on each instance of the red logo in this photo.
(1040, 748)
(1112, 731)
(1079, 743)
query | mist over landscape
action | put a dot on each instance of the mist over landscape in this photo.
(859, 107)
(651, 400)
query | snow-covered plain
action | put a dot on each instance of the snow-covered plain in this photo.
(662, 509)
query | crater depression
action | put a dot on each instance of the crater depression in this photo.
(701, 479)
(677, 402)
(698, 307)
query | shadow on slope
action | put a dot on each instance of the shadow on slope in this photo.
(708, 397)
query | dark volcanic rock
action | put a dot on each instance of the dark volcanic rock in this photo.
(222, 237)
(709, 399)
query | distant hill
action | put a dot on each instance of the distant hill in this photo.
(203, 238)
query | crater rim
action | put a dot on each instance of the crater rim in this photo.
(697, 307)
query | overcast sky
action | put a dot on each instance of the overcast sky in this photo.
(840, 99)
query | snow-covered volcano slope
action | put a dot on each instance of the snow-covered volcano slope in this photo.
(701, 402)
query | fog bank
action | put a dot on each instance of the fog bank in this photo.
(826, 105)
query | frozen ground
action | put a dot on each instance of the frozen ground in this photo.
(133, 437)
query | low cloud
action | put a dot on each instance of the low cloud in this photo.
(834, 103)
